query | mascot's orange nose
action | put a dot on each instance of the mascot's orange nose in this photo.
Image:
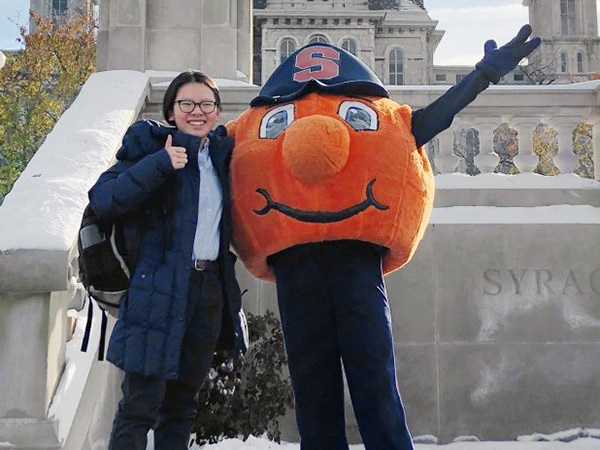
(315, 147)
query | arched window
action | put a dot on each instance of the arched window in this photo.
(580, 62)
(286, 48)
(349, 45)
(563, 62)
(395, 67)
(567, 17)
(318, 39)
(59, 6)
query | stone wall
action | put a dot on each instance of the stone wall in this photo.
(175, 35)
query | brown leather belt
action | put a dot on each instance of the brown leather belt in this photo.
(204, 265)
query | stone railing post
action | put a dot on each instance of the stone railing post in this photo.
(596, 146)
(446, 161)
(595, 121)
(486, 160)
(566, 160)
(525, 160)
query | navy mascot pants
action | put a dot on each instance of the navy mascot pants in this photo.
(334, 310)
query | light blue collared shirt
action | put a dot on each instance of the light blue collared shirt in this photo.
(210, 208)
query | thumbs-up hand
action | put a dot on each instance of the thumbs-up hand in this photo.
(177, 154)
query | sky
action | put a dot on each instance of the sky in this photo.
(462, 45)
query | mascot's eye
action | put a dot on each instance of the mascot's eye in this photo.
(358, 115)
(276, 121)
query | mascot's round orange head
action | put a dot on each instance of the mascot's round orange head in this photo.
(323, 154)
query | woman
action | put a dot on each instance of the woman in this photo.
(171, 185)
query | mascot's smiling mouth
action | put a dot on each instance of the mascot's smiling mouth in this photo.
(320, 216)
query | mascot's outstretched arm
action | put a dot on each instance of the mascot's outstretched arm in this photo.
(497, 62)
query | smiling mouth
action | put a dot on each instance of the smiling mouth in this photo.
(320, 216)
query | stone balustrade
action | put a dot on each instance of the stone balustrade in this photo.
(522, 108)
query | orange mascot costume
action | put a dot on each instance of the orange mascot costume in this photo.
(331, 188)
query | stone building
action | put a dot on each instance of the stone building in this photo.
(48, 8)
(396, 38)
(570, 48)
(60, 8)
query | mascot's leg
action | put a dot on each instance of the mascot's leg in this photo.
(309, 328)
(365, 337)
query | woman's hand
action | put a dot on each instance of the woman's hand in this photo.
(178, 155)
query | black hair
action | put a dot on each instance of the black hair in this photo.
(189, 76)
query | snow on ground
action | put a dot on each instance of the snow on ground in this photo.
(578, 444)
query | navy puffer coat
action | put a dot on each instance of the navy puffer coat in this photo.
(144, 191)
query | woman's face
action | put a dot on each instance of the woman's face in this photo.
(197, 122)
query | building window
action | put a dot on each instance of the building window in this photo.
(349, 45)
(59, 6)
(318, 39)
(286, 48)
(459, 76)
(563, 62)
(440, 77)
(395, 68)
(580, 62)
(518, 77)
(567, 17)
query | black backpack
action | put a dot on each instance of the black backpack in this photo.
(105, 260)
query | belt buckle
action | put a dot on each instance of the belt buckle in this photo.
(202, 265)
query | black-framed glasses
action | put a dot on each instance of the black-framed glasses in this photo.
(187, 106)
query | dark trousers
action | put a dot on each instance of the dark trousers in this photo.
(334, 309)
(170, 405)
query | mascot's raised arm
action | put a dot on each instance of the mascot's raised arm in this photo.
(331, 188)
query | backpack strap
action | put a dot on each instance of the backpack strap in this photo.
(102, 345)
(88, 330)
(88, 326)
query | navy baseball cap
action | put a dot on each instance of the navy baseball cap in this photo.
(323, 68)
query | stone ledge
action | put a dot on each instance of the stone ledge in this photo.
(527, 189)
(35, 270)
(446, 197)
(28, 434)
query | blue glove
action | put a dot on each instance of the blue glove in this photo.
(497, 62)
